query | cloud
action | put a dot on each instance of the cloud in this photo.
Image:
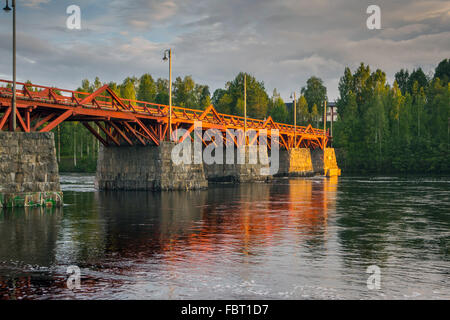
(281, 42)
(142, 14)
(35, 3)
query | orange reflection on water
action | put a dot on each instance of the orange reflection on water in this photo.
(311, 201)
(259, 216)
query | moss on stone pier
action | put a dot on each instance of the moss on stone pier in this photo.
(31, 199)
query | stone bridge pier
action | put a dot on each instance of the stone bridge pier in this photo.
(147, 168)
(28, 170)
(240, 165)
(324, 162)
(296, 163)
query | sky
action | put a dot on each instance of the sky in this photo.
(280, 42)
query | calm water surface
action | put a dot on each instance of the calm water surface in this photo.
(290, 239)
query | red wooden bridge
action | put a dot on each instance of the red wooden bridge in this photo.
(132, 122)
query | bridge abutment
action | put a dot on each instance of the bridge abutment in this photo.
(146, 168)
(28, 170)
(296, 163)
(243, 164)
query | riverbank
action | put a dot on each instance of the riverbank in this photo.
(354, 166)
(83, 165)
(417, 162)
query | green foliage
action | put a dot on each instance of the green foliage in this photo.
(128, 89)
(303, 115)
(203, 96)
(401, 78)
(443, 71)
(231, 100)
(77, 148)
(394, 129)
(85, 164)
(224, 103)
(115, 88)
(162, 89)
(278, 110)
(346, 85)
(315, 92)
(183, 92)
(188, 94)
(417, 76)
(147, 89)
(314, 115)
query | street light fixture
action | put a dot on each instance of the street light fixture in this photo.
(12, 126)
(168, 56)
(295, 117)
(7, 8)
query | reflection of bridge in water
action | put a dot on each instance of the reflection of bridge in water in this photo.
(125, 233)
(260, 217)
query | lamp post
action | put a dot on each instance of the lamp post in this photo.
(324, 120)
(332, 119)
(168, 56)
(12, 126)
(245, 108)
(295, 117)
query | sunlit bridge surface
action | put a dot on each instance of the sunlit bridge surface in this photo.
(289, 239)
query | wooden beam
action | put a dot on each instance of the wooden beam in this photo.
(124, 136)
(93, 95)
(127, 125)
(108, 134)
(150, 135)
(44, 120)
(5, 118)
(95, 133)
(57, 121)
(22, 123)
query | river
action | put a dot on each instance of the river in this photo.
(289, 239)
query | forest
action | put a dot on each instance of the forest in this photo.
(398, 128)
(403, 127)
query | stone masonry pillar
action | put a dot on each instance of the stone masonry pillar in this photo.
(324, 162)
(246, 164)
(146, 168)
(296, 163)
(28, 170)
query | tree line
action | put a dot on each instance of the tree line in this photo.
(398, 128)
(381, 127)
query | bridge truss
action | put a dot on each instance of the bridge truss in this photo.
(116, 122)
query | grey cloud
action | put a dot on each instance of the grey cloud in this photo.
(35, 3)
(281, 42)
